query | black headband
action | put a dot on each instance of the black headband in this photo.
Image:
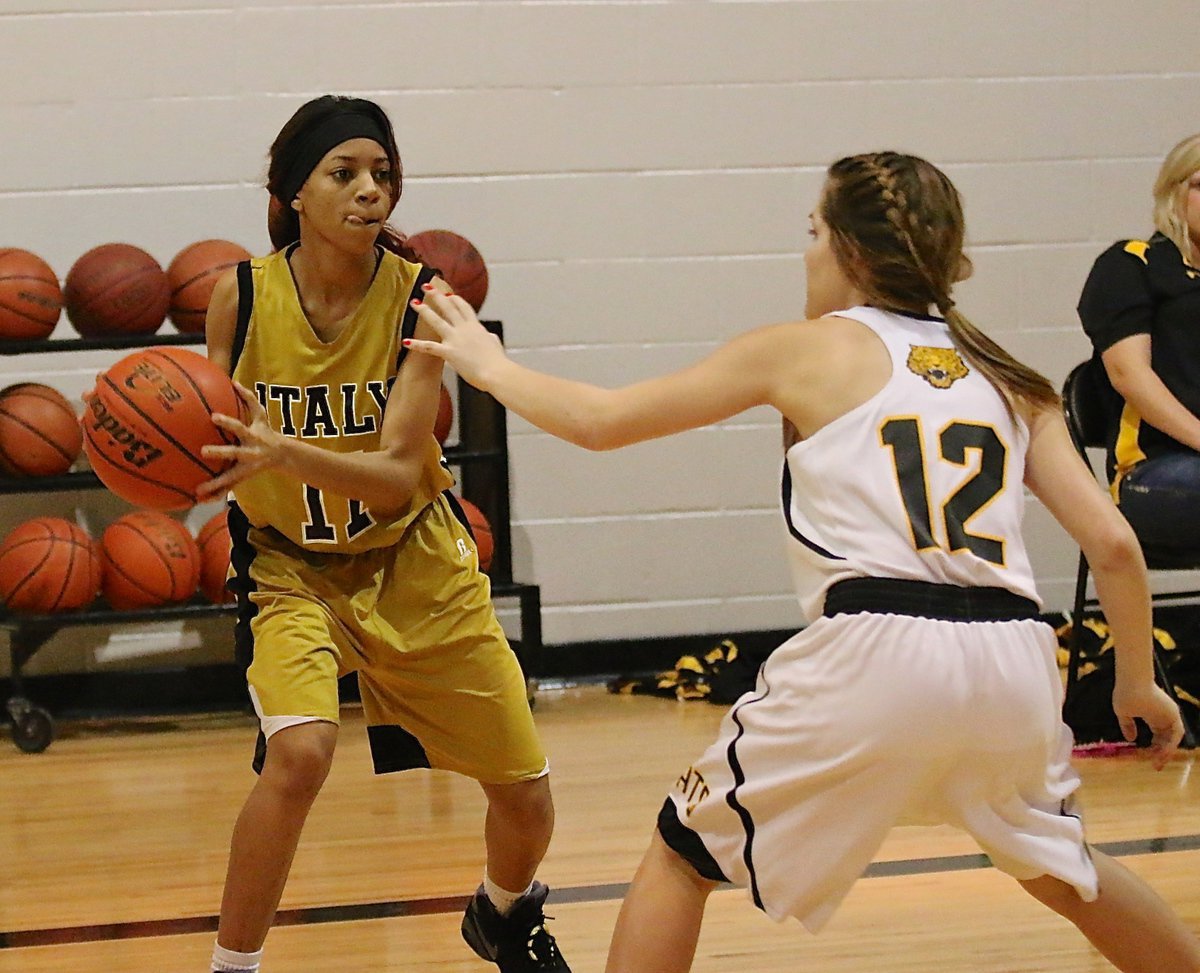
(346, 123)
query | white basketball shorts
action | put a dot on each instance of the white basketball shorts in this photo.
(865, 721)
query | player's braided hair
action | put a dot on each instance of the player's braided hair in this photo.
(896, 226)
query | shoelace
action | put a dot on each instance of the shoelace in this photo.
(541, 946)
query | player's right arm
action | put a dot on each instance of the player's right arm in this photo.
(383, 479)
(220, 324)
(1060, 479)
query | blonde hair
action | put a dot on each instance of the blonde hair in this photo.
(897, 229)
(1170, 192)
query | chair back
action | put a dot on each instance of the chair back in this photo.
(1090, 405)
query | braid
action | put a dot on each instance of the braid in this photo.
(896, 225)
(905, 222)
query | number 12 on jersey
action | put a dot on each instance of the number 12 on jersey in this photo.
(904, 437)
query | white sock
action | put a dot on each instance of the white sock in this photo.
(227, 961)
(502, 899)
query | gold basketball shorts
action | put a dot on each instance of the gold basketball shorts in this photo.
(439, 683)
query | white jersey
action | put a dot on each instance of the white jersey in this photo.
(924, 481)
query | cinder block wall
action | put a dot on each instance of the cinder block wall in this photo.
(637, 175)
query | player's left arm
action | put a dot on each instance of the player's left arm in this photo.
(1060, 479)
(383, 479)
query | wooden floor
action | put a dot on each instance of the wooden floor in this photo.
(113, 846)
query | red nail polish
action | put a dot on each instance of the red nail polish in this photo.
(426, 287)
(407, 342)
(416, 303)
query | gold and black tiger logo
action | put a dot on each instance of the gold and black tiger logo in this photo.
(940, 367)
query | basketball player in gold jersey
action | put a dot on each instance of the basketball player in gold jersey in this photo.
(349, 553)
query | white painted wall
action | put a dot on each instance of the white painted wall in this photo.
(637, 174)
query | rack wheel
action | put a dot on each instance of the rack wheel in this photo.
(32, 726)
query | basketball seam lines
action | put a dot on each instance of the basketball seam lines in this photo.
(159, 554)
(200, 395)
(118, 323)
(204, 273)
(135, 474)
(37, 432)
(62, 590)
(133, 581)
(23, 312)
(171, 439)
(33, 572)
(38, 391)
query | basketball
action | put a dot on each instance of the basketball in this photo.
(48, 564)
(149, 559)
(193, 274)
(445, 417)
(215, 546)
(485, 544)
(457, 260)
(39, 431)
(116, 288)
(147, 421)
(30, 298)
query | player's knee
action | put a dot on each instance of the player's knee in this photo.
(525, 805)
(298, 762)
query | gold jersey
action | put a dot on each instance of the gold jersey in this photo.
(330, 394)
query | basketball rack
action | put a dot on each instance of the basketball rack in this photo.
(481, 455)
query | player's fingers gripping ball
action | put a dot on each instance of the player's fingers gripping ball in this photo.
(255, 446)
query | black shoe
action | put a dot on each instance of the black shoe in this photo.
(518, 942)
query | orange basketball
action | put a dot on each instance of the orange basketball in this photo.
(485, 544)
(445, 417)
(455, 258)
(149, 418)
(215, 546)
(39, 431)
(48, 564)
(149, 559)
(116, 288)
(193, 274)
(30, 298)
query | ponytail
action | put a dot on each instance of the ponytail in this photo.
(896, 225)
(1011, 378)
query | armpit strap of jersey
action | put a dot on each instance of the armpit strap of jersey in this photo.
(245, 306)
(408, 324)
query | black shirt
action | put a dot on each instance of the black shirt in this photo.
(1144, 287)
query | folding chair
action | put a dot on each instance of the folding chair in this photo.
(1089, 405)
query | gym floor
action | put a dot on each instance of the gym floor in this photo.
(114, 843)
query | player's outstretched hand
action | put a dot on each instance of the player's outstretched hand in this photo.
(1158, 711)
(258, 447)
(467, 345)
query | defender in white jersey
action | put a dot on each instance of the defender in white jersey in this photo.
(924, 688)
